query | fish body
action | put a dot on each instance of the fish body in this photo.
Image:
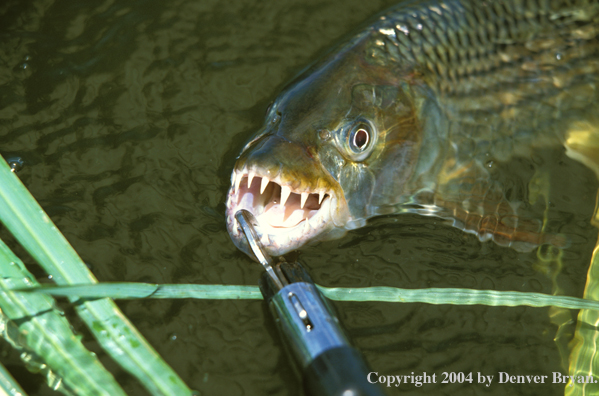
(407, 115)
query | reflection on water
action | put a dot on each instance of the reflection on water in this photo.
(128, 116)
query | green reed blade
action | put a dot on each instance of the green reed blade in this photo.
(134, 290)
(26, 220)
(8, 385)
(34, 325)
(584, 358)
(382, 294)
(492, 298)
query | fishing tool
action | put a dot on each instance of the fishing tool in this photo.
(312, 333)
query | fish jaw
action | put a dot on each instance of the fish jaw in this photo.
(311, 211)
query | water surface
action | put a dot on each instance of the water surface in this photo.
(129, 116)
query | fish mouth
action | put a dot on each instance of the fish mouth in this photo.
(288, 216)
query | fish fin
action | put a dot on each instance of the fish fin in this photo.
(472, 201)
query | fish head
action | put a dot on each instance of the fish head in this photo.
(336, 147)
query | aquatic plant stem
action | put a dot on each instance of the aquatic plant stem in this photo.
(584, 359)
(583, 144)
(27, 221)
(437, 296)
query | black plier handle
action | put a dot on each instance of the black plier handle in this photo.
(330, 365)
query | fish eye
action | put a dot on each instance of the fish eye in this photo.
(359, 137)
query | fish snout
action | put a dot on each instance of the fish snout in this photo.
(295, 163)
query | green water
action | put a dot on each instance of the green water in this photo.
(129, 116)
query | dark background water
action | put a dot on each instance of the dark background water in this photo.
(129, 115)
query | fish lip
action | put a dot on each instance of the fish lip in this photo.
(282, 239)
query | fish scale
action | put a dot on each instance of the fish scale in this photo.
(482, 82)
(458, 30)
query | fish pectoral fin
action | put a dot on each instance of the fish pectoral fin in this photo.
(476, 204)
(512, 230)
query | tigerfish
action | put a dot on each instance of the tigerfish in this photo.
(405, 116)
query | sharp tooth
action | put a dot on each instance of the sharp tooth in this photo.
(265, 182)
(238, 177)
(250, 178)
(285, 191)
(303, 199)
(306, 226)
(320, 197)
